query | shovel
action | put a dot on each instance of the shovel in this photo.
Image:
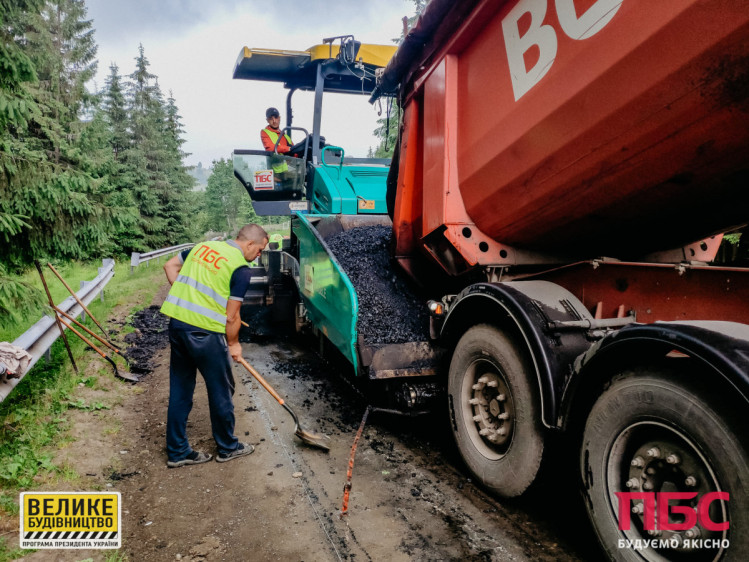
(78, 300)
(319, 440)
(121, 374)
(90, 333)
(57, 319)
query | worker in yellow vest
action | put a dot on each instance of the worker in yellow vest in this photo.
(208, 287)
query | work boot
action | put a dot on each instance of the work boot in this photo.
(241, 450)
(196, 457)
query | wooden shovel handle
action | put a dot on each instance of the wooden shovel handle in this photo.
(260, 379)
(57, 318)
(84, 338)
(79, 301)
(89, 332)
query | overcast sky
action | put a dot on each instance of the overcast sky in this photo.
(192, 46)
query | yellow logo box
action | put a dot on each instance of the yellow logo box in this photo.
(47, 514)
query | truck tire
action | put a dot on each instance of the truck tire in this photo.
(495, 411)
(649, 431)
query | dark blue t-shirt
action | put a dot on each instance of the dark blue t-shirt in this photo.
(240, 282)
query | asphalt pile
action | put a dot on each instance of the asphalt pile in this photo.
(390, 309)
(150, 336)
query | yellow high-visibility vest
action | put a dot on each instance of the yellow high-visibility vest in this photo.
(201, 291)
(281, 166)
(274, 136)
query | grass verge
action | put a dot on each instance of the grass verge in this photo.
(34, 417)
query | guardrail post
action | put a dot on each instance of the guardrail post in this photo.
(48, 355)
(104, 263)
(82, 317)
(134, 261)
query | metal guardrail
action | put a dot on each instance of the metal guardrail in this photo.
(40, 337)
(136, 258)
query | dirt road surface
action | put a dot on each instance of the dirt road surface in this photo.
(411, 498)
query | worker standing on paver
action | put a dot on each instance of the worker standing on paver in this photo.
(208, 287)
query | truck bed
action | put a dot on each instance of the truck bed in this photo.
(572, 135)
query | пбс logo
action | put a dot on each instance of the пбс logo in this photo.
(209, 256)
(656, 510)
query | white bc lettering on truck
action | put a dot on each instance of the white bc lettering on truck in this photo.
(541, 39)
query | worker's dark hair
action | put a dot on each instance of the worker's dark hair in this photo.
(253, 232)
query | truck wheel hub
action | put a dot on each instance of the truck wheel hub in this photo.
(663, 460)
(492, 407)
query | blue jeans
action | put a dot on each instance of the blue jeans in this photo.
(209, 353)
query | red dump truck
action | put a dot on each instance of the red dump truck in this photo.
(564, 172)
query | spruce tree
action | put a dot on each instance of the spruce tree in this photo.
(115, 109)
(168, 174)
(223, 198)
(45, 182)
(126, 234)
(136, 178)
(157, 161)
(183, 228)
(154, 172)
(16, 108)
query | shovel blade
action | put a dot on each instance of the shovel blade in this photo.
(125, 376)
(314, 439)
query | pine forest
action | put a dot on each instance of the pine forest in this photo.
(89, 174)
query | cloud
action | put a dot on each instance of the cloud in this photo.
(121, 20)
(117, 20)
(192, 50)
